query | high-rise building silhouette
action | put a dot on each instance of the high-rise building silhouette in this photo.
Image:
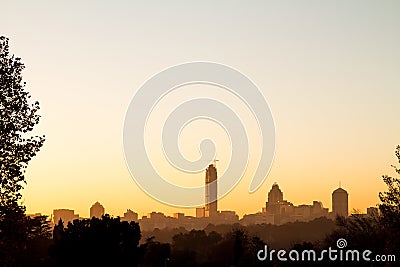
(211, 208)
(340, 202)
(97, 210)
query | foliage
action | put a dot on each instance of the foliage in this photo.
(37, 242)
(38, 227)
(359, 230)
(379, 233)
(197, 248)
(17, 118)
(154, 253)
(12, 233)
(96, 242)
(390, 209)
(390, 206)
(26, 240)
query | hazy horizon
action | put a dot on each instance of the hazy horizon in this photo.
(191, 211)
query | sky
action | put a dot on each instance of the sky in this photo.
(330, 71)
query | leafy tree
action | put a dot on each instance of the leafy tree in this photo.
(105, 241)
(390, 209)
(38, 227)
(238, 248)
(390, 206)
(17, 118)
(379, 233)
(12, 233)
(37, 243)
(154, 253)
(359, 230)
(235, 248)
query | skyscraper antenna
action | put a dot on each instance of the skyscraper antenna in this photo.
(215, 162)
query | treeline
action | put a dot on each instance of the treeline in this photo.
(109, 241)
(278, 236)
(235, 245)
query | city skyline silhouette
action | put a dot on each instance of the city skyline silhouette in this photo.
(276, 211)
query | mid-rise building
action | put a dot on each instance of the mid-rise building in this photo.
(97, 210)
(200, 212)
(280, 211)
(372, 211)
(65, 215)
(130, 216)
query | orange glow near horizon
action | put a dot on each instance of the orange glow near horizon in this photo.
(330, 74)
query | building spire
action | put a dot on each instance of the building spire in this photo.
(215, 162)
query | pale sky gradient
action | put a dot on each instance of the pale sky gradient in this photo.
(330, 71)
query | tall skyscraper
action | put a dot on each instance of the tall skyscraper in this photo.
(340, 202)
(97, 210)
(211, 208)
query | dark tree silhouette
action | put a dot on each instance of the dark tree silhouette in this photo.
(361, 232)
(390, 209)
(238, 248)
(197, 248)
(17, 118)
(194, 247)
(390, 206)
(38, 228)
(101, 242)
(37, 243)
(379, 233)
(154, 253)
